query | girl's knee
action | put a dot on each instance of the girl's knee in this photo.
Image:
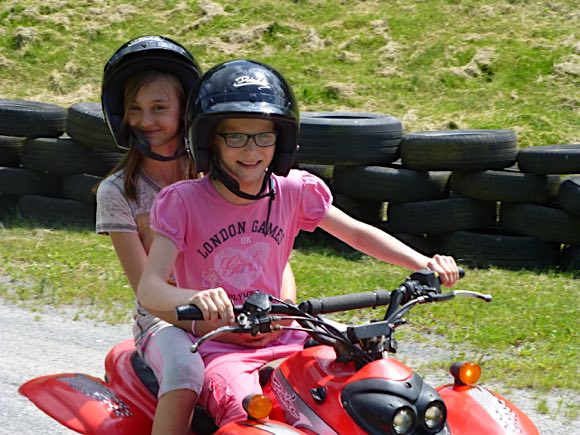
(222, 402)
(182, 373)
(187, 367)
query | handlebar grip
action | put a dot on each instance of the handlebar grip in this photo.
(461, 272)
(188, 312)
(346, 302)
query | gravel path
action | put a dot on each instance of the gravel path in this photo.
(35, 344)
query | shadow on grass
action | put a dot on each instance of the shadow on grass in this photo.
(320, 241)
(560, 266)
(12, 220)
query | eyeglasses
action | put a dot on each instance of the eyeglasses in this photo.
(263, 139)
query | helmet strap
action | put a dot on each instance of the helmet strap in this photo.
(138, 142)
(233, 186)
(217, 173)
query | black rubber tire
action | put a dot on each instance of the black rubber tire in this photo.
(459, 150)
(569, 195)
(87, 126)
(31, 119)
(439, 216)
(22, 181)
(8, 205)
(495, 248)
(80, 187)
(571, 259)
(56, 211)
(348, 138)
(550, 159)
(545, 223)
(390, 184)
(10, 150)
(65, 156)
(366, 211)
(505, 185)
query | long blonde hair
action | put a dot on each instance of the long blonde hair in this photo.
(132, 160)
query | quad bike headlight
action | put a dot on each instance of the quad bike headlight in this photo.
(381, 406)
(403, 421)
(378, 413)
(434, 418)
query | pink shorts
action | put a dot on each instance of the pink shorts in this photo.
(229, 377)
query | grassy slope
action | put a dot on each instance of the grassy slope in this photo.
(435, 64)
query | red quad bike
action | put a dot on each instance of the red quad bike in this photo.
(344, 383)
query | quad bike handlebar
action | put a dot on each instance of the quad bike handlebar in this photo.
(361, 343)
(420, 282)
(314, 306)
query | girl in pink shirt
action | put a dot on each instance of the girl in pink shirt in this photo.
(230, 234)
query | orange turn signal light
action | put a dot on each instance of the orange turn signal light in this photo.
(257, 406)
(465, 372)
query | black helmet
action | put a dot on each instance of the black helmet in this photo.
(135, 56)
(239, 89)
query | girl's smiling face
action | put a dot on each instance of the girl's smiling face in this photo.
(155, 112)
(247, 164)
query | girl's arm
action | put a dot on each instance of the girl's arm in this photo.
(156, 295)
(377, 243)
(131, 255)
(133, 258)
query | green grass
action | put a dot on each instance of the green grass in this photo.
(526, 337)
(64, 267)
(401, 57)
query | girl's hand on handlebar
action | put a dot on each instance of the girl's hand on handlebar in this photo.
(446, 267)
(215, 305)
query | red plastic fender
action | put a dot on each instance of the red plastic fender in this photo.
(474, 409)
(89, 405)
(122, 378)
(85, 404)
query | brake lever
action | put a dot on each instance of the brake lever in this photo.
(210, 335)
(474, 295)
(255, 326)
(462, 293)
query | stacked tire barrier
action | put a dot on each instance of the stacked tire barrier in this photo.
(473, 194)
(51, 158)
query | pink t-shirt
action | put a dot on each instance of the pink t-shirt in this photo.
(226, 245)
